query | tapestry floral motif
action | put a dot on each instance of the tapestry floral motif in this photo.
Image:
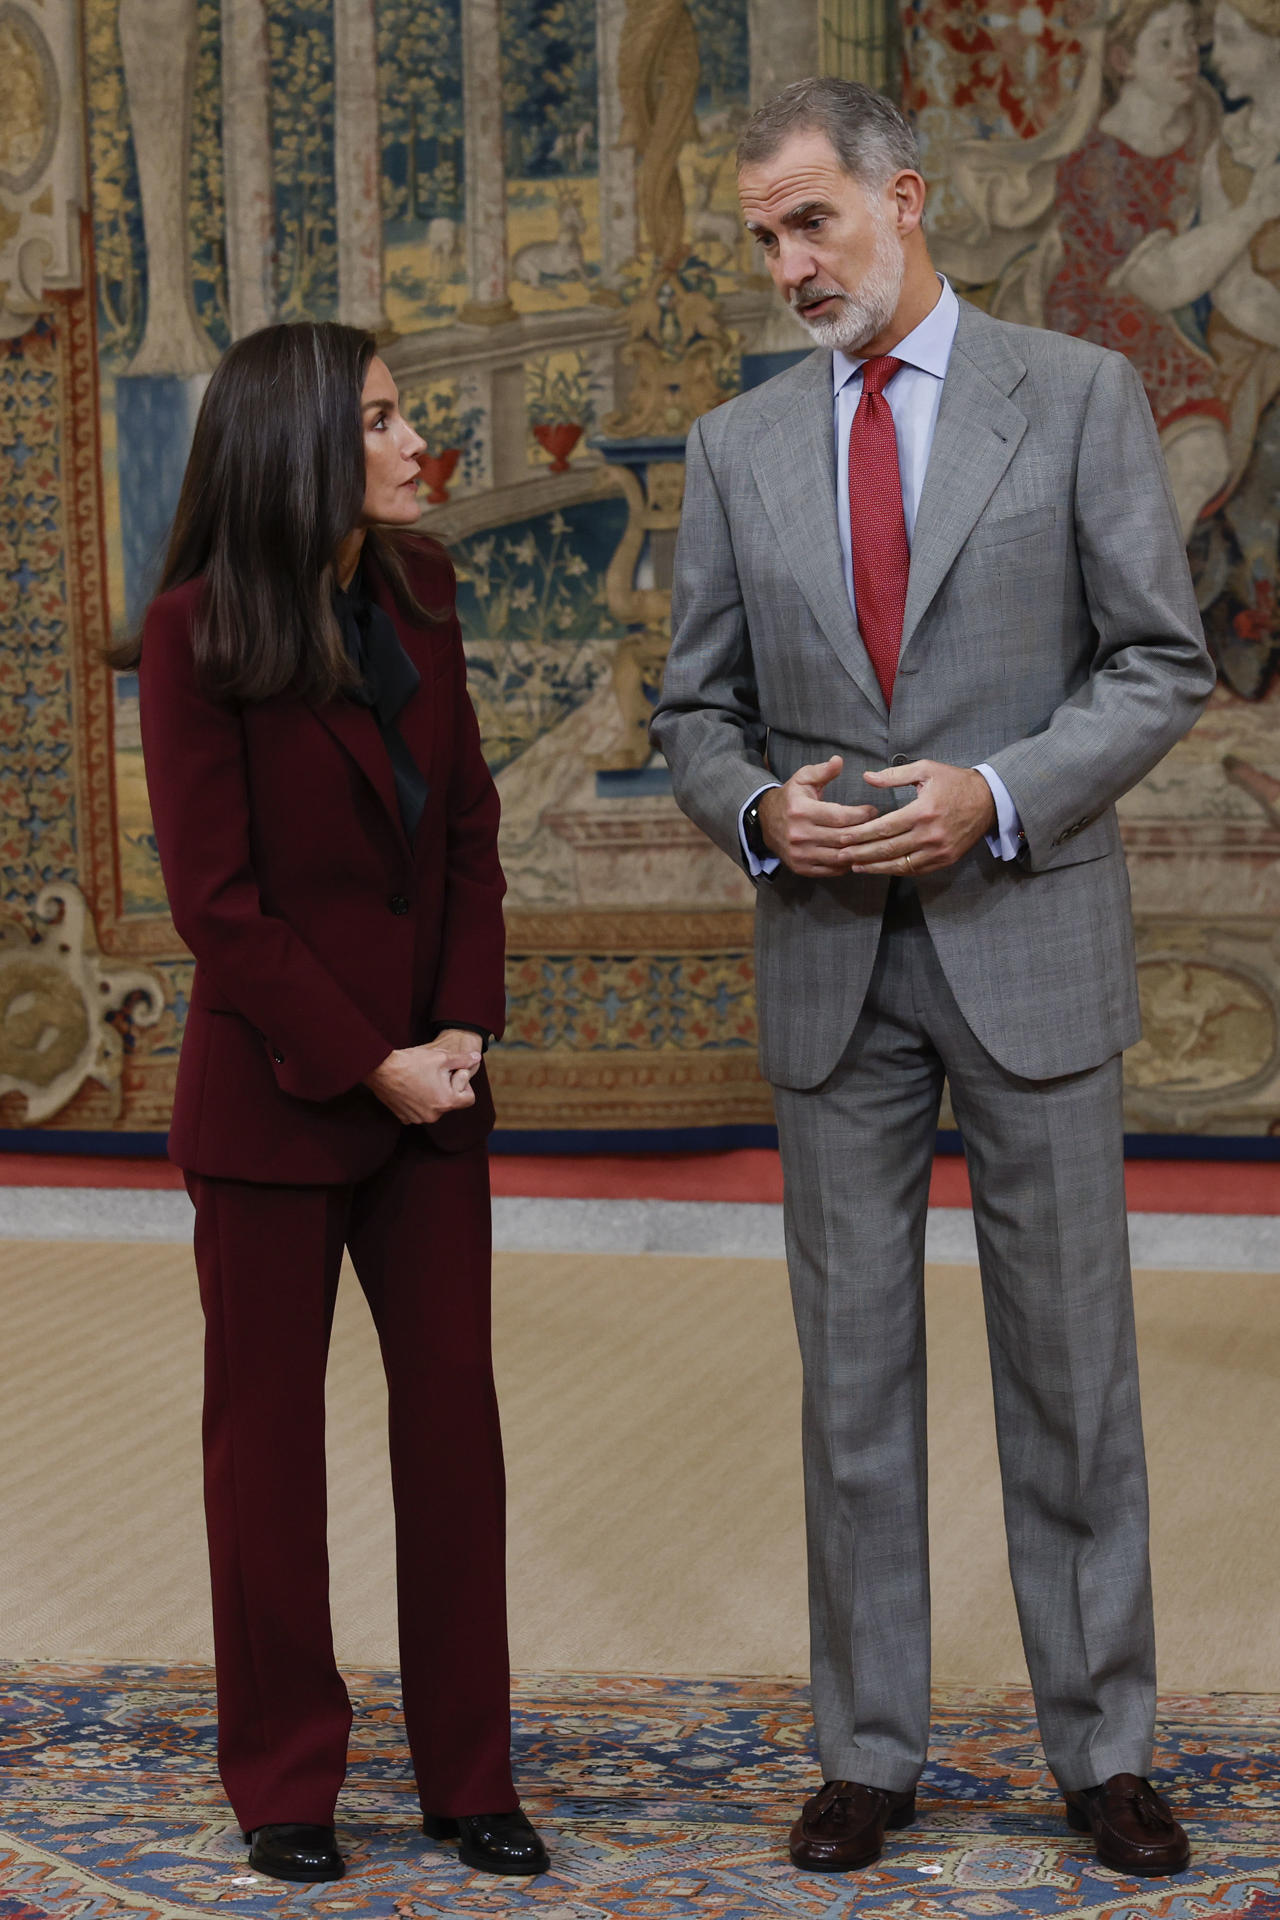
(538, 633)
(623, 1003)
(561, 390)
(1015, 66)
(120, 257)
(206, 215)
(37, 779)
(450, 422)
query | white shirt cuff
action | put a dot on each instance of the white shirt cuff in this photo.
(1006, 842)
(758, 869)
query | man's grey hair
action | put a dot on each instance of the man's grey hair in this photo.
(869, 134)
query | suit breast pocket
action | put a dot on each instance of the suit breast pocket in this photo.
(995, 530)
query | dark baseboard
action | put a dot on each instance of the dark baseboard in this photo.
(1137, 1146)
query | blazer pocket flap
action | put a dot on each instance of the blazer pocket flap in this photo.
(994, 530)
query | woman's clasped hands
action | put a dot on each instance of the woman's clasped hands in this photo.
(422, 1083)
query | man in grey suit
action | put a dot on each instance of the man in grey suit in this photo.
(932, 617)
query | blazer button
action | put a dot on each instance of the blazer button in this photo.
(900, 760)
(398, 903)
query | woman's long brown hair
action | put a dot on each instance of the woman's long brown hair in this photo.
(274, 483)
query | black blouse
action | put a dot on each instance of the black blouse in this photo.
(388, 681)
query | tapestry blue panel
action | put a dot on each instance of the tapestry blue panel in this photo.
(155, 417)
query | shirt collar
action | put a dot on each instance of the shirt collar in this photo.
(927, 346)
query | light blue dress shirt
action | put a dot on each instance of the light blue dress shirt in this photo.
(914, 395)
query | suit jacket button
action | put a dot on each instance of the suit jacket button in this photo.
(900, 760)
(398, 903)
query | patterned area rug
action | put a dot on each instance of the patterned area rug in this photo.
(661, 1799)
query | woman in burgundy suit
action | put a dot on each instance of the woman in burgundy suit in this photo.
(328, 833)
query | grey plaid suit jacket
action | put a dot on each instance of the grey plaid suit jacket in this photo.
(1051, 630)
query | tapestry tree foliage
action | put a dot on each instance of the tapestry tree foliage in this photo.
(722, 48)
(420, 78)
(300, 42)
(549, 87)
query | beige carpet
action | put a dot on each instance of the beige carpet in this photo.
(651, 1416)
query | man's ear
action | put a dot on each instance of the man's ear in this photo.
(909, 193)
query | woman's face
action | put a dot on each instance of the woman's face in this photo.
(391, 450)
(1165, 59)
(1246, 60)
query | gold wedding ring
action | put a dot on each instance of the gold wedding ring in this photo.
(907, 858)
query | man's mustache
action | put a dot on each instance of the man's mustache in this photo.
(810, 296)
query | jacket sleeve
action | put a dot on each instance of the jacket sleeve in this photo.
(707, 723)
(1151, 671)
(470, 987)
(319, 1042)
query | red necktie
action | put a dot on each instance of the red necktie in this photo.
(877, 526)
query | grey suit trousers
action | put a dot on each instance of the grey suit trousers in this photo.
(1046, 1165)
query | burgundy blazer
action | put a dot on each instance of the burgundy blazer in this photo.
(322, 939)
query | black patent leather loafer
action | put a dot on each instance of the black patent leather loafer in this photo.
(295, 1851)
(491, 1842)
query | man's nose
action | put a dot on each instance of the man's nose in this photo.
(796, 264)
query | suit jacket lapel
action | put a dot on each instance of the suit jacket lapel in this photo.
(977, 433)
(355, 728)
(794, 466)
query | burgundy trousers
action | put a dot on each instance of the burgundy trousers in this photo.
(268, 1259)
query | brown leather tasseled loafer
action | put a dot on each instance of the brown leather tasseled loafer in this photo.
(843, 1827)
(1133, 1829)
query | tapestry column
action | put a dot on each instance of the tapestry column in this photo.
(246, 166)
(487, 303)
(158, 45)
(783, 42)
(619, 229)
(358, 165)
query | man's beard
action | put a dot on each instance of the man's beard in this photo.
(868, 310)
